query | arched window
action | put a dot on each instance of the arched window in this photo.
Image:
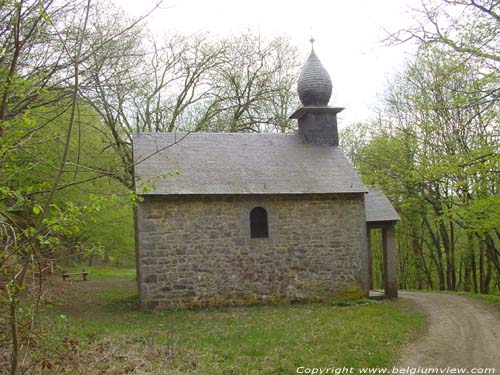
(258, 223)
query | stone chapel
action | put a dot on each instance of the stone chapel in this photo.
(257, 218)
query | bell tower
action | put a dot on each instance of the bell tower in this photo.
(317, 121)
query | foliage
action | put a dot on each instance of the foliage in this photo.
(435, 152)
(43, 157)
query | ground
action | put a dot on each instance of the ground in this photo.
(103, 317)
(110, 335)
(462, 332)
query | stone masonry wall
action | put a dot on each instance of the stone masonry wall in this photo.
(197, 251)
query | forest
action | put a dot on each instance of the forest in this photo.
(78, 78)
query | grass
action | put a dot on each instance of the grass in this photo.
(112, 334)
(259, 340)
(488, 298)
(104, 272)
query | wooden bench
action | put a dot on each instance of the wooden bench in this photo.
(67, 275)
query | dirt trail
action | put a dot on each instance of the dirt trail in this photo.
(462, 332)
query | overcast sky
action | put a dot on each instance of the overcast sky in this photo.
(348, 36)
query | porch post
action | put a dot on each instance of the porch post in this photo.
(370, 259)
(389, 248)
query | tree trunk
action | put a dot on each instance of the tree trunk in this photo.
(481, 269)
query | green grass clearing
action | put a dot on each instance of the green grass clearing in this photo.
(114, 335)
(104, 272)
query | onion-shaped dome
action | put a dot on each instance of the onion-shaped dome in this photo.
(314, 85)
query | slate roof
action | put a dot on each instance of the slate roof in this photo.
(240, 163)
(379, 208)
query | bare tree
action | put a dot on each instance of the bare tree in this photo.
(469, 27)
(256, 85)
(191, 83)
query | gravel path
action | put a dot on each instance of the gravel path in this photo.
(462, 332)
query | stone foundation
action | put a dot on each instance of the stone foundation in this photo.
(197, 251)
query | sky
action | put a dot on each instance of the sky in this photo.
(348, 34)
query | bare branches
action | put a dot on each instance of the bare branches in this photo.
(469, 27)
(191, 83)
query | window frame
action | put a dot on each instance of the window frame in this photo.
(259, 222)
